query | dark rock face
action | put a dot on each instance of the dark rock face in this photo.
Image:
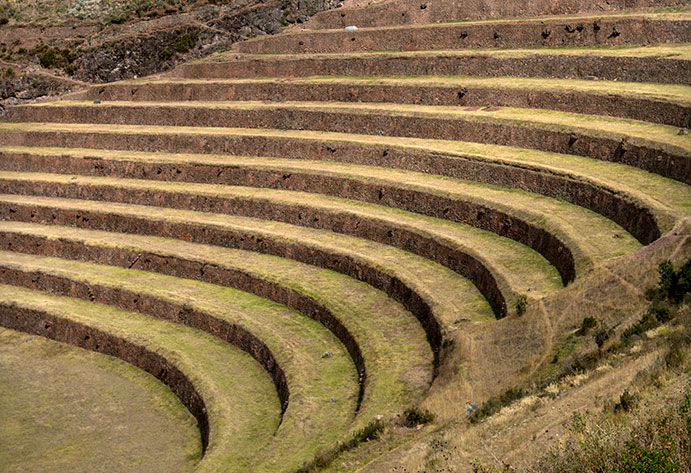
(153, 46)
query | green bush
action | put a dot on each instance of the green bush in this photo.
(586, 325)
(521, 305)
(642, 460)
(495, 404)
(415, 416)
(673, 285)
(185, 43)
(57, 58)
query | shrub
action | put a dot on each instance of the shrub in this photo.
(642, 460)
(521, 305)
(586, 325)
(415, 416)
(601, 337)
(673, 285)
(54, 57)
(185, 43)
(495, 404)
(627, 402)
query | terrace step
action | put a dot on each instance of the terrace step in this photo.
(492, 263)
(645, 204)
(434, 294)
(386, 342)
(609, 30)
(287, 344)
(651, 147)
(228, 392)
(555, 229)
(398, 12)
(658, 103)
(667, 64)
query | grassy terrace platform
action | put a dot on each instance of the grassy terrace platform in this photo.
(490, 262)
(659, 103)
(355, 210)
(72, 404)
(385, 333)
(296, 342)
(652, 147)
(572, 178)
(664, 64)
(620, 29)
(248, 416)
(467, 202)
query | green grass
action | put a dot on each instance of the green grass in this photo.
(397, 356)
(666, 51)
(68, 409)
(296, 341)
(673, 93)
(450, 294)
(602, 239)
(240, 398)
(515, 266)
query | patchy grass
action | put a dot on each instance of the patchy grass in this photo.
(68, 409)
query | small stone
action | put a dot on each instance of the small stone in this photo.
(332, 399)
(419, 426)
(683, 131)
(532, 288)
(378, 417)
(591, 78)
(97, 101)
(327, 354)
(461, 320)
